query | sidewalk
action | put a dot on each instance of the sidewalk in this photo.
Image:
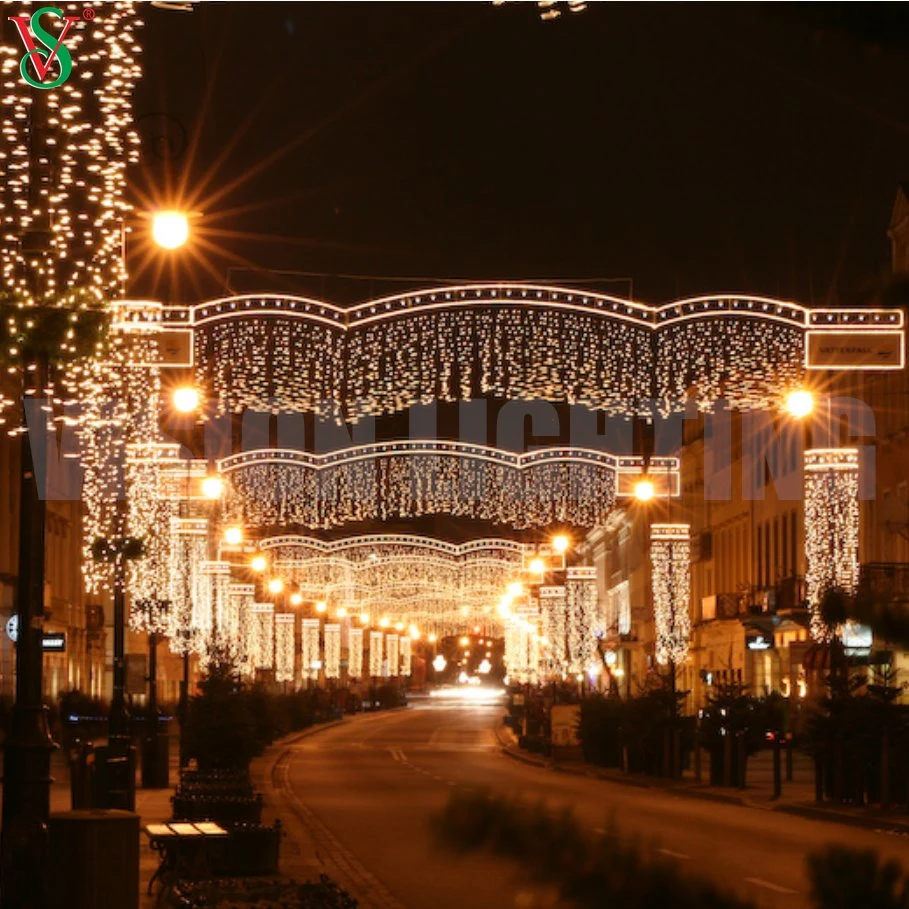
(797, 797)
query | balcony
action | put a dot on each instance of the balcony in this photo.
(885, 580)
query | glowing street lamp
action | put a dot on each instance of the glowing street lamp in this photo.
(233, 536)
(515, 589)
(537, 566)
(439, 663)
(170, 229)
(186, 399)
(800, 403)
(275, 586)
(296, 599)
(644, 490)
(561, 543)
(212, 487)
(321, 606)
(258, 564)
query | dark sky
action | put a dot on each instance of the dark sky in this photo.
(690, 148)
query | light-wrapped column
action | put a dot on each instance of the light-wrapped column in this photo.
(670, 567)
(392, 655)
(284, 646)
(553, 626)
(375, 653)
(309, 647)
(213, 615)
(238, 623)
(831, 526)
(355, 653)
(189, 549)
(332, 651)
(263, 639)
(406, 657)
(583, 612)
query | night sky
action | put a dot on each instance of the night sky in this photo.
(685, 148)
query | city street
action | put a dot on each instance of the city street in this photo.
(376, 782)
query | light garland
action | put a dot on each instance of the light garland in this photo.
(406, 656)
(284, 646)
(392, 656)
(583, 613)
(262, 640)
(309, 647)
(355, 653)
(333, 651)
(407, 479)
(242, 597)
(670, 566)
(376, 654)
(188, 593)
(831, 527)
(526, 341)
(553, 608)
(64, 152)
(439, 586)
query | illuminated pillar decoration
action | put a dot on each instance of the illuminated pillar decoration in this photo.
(213, 613)
(583, 612)
(392, 655)
(189, 548)
(284, 646)
(406, 657)
(670, 566)
(240, 623)
(553, 608)
(309, 647)
(264, 640)
(355, 653)
(332, 651)
(831, 526)
(375, 653)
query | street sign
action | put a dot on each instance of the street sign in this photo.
(854, 350)
(53, 642)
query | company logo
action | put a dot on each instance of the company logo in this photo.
(37, 62)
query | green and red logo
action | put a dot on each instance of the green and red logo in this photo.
(52, 50)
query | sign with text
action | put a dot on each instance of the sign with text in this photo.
(854, 350)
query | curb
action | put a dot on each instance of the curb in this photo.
(830, 815)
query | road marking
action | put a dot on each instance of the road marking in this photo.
(767, 885)
(672, 854)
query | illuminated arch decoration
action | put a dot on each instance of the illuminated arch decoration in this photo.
(408, 479)
(831, 527)
(413, 580)
(670, 565)
(514, 341)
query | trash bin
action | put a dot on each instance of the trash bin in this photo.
(93, 860)
(114, 779)
(155, 759)
(81, 770)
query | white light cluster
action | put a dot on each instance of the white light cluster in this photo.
(262, 639)
(284, 646)
(187, 584)
(392, 655)
(242, 598)
(333, 650)
(509, 341)
(670, 566)
(390, 480)
(582, 614)
(355, 653)
(310, 647)
(554, 629)
(831, 526)
(63, 153)
(406, 656)
(523, 644)
(376, 653)
(437, 586)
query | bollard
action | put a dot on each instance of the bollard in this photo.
(777, 768)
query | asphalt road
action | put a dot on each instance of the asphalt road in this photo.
(376, 782)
